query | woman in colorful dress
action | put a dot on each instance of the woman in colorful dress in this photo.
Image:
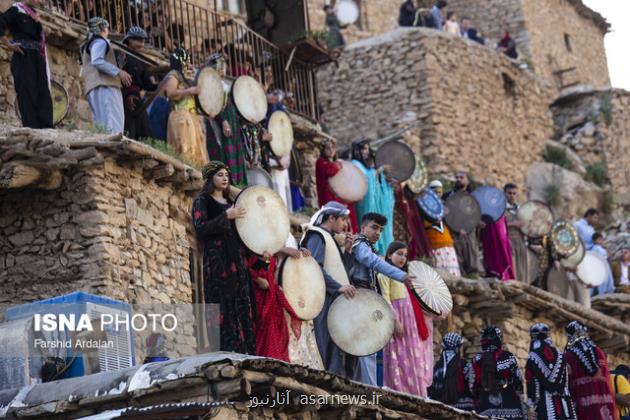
(226, 279)
(184, 132)
(449, 375)
(380, 194)
(408, 357)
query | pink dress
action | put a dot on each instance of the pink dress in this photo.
(497, 251)
(408, 360)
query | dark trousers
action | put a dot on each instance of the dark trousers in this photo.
(31, 86)
(137, 125)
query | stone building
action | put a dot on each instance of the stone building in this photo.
(467, 107)
(562, 40)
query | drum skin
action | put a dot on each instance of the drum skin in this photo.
(430, 289)
(491, 201)
(536, 219)
(593, 270)
(258, 176)
(282, 133)
(400, 157)
(303, 284)
(362, 325)
(250, 99)
(211, 98)
(265, 226)
(347, 12)
(573, 260)
(564, 238)
(462, 212)
(349, 184)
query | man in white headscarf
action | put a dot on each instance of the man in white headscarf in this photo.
(319, 239)
(103, 79)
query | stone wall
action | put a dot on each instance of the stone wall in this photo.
(470, 107)
(595, 125)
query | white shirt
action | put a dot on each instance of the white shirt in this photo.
(624, 273)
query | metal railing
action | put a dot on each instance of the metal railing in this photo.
(202, 31)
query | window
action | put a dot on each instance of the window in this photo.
(236, 7)
(567, 42)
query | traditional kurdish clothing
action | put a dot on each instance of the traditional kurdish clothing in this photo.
(363, 274)
(334, 264)
(495, 379)
(228, 149)
(303, 345)
(589, 379)
(419, 243)
(184, 131)
(497, 253)
(408, 359)
(547, 380)
(102, 84)
(30, 69)
(324, 169)
(443, 247)
(450, 385)
(272, 332)
(520, 253)
(226, 279)
(379, 199)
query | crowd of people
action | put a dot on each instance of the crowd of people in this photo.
(441, 19)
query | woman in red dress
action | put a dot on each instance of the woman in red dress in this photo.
(326, 167)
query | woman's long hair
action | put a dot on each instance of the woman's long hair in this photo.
(393, 247)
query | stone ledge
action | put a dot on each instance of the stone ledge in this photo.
(497, 298)
(615, 304)
(54, 150)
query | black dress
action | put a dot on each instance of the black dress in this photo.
(226, 279)
(136, 123)
(29, 70)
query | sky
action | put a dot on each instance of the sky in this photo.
(617, 13)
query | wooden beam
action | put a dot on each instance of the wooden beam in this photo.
(21, 175)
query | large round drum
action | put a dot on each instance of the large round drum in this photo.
(282, 133)
(211, 96)
(419, 179)
(593, 270)
(462, 212)
(362, 325)
(564, 238)
(536, 219)
(303, 285)
(349, 184)
(265, 227)
(60, 102)
(400, 157)
(250, 99)
(573, 260)
(430, 204)
(430, 289)
(491, 201)
(258, 176)
(347, 12)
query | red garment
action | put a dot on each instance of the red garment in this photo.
(591, 395)
(272, 333)
(423, 331)
(324, 169)
(419, 245)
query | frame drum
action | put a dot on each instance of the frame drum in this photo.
(266, 225)
(349, 184)
(362, 325)
(491, 201)
(573, 260)
(462, 212)
(430, 289)
(536, 218)
(60, 102)
(399, 156)
(282, 133)
(258, 176)
(211, 98)
(303, 285)
(347, 12)
(593, 270)
(250, 99)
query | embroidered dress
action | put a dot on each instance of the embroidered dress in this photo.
(226, 279)
(303, 347)
(589, 380)
(443, 250)
(547, 380)
(229, 150)
(450, 375)
(408, 359)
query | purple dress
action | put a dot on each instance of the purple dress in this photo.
(497, 252)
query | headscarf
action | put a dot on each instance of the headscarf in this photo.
(446, 375)
(491, 338)
(96, 26)
(178, 58)
(212, 168)
(491, 341)
(580, 344)
(539, 334)
(332, 207)
(135, 32)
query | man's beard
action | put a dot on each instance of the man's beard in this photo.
(459, 185)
